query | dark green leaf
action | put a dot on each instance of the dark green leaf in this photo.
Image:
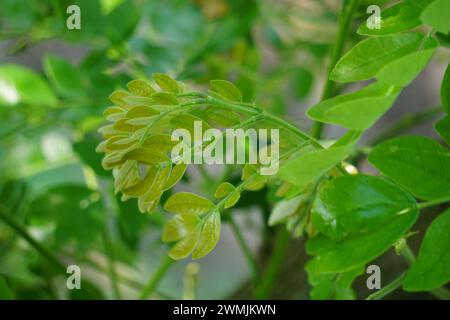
(358, 204)
(431, 269)
(419, 164)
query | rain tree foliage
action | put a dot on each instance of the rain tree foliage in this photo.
(350, 219)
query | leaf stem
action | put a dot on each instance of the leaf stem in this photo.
(388, 289)
(432, 203)
(156, 278)
(343, 29)
(254, 269)
(6, 218)
(264, 290)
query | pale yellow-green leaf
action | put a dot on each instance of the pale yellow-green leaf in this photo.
(184, 247)
(145, 155)
(166, 83)
(209, 235)
(175, 176)
(140, 88)
(141, 112)
(226, 90)
(185, 202)
(179, 227)
(118, 96)
(143, 185)
(164, 98)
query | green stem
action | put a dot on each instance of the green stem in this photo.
(343, 29)
(111, 265)
(254, 269)
(54, 262)
(264, 290)
(432, 203)
(388, 289)
(156, 278)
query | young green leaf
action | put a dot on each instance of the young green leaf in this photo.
(140, 88)
(141, 112)
(357, 204)
(185, 202)
(164, 98)
(64, 76)
(22, 85)
(180, 226)
(443, 128)
(403, 70)
(145, 155)
(309, 166)
(369, 56)
(284, 209)
(118, 98)
(166, 83)
(175, 175)
(209, 235)
(358, 110)
(400, 17)
(419, 164)
(226, 90)
(437, 16)
(142, 186)
(431, 268)
(185, 246)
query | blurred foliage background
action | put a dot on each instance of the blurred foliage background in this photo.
(54, 85)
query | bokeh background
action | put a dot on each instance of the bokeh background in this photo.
(55, 83)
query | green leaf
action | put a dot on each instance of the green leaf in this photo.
(358, 110)
(437, 16)
(226, 189)
(445, 90)
(397, 18)
(166, 83)
(188, 122)
(209, 235)
(309, 166)
(185, 202)
(142, 186)
(369, 56)
(284, 209)
(419, 164)
(332, 257)
(145, 155)
(141, 112)
(140, 88)
(403, 70)
(118, 98)
(333, 285)
(76, 210)
(443, 128)
(226, 90)
(185, 246)
(22, 85)
(180, 226)
(175, 175)
(358, 204)
(164, 98)
(64, 76)
(431, 268)
(221, 117)
(161, 142)
(5, 291)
